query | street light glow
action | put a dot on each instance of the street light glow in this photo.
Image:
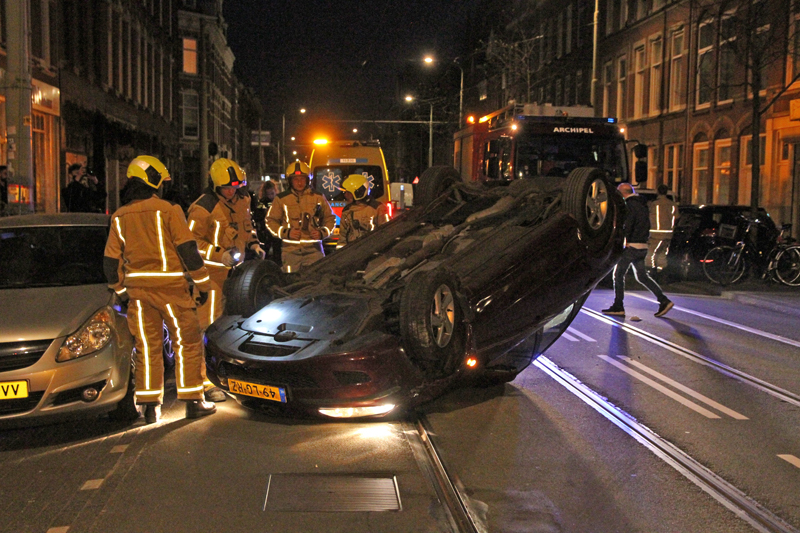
(302, 109)
(409, 98)
(428, 59)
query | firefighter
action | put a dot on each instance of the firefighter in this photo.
(361, 214)
(302, 218)
(148, 250)
(663, 212)
(221, 223)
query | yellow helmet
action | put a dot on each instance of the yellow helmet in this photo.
(296, 168)
(357, 185)
(148, 169)
(226, 173)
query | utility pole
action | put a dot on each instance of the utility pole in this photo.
(17, 85)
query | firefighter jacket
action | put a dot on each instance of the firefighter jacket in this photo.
(219, 224)
(150, 246)
(663, 213)
(305, 211)
(359, 218)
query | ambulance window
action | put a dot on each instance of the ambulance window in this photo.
(328, 180)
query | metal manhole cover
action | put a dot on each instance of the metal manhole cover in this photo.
(323, 493)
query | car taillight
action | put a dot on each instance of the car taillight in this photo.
(709, 232)
(390, 209)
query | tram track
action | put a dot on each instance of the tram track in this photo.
(760, 518)
(451, 493)
(764, 386)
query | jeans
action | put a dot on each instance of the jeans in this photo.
(633, 257)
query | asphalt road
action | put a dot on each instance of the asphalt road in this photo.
(530, 456)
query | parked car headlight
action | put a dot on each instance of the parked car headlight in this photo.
(94, 335)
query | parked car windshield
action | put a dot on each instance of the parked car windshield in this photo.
(51, 256)
(548, 156)
(328, 180)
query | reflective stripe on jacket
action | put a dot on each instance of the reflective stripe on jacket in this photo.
(305, 211)
(218, 225)
(663, 213)
(150, 245)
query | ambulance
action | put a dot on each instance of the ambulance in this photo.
(332, 162)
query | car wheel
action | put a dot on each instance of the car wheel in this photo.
(433, 183)
(126, 410)
(249, 287)
(587, 197)
(431, 322)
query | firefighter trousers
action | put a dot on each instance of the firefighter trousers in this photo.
(147, 312)
(212, 309)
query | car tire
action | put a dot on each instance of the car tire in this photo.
(431, 322)
(589, 199)
(433, 183)
(126, 410)
(249, 287)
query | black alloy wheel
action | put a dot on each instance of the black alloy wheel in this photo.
(588, 198)
(249, 287)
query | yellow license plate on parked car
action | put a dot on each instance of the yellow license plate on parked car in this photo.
(11, 390)
(265, 392)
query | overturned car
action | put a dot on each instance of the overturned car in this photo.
(469, 286)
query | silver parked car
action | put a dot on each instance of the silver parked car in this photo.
(65, 348)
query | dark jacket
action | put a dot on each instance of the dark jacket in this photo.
(637, 220)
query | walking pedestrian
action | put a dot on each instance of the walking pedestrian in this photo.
(149, 249)
(637, 232)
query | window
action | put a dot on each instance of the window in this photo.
(623, 13)
(656, 50)
(559, 92)
(794, 40)
(673, 165)
(641, 9)
(700, 175)
(677, 72)
(568, 31)
(579, 87)
(568, 90)
(746, 166)
(705, 64)
(560, 35)
(608, 83)
(622, 93)
(652, 166)
(640, 66)
(762, 34)
(727, 58)
(190, 56)
(722, 172)
(610, 16)
(191, 114)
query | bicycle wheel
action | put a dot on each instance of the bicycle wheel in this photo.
(724, 265)
(787, 266)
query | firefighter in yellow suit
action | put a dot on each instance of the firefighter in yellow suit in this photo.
(361, 214)
(221, 223)
(148, 251)
(301, 218)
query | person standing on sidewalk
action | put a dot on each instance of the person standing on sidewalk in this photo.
(637, 231)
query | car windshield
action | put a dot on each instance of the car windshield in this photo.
(51, 256)
(546, 156)
(328, 180)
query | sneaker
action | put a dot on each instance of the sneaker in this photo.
(198, 408)
(616, 310)
(215, 394)
(152, 414)
(664, 308)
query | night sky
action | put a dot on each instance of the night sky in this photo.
(338, 59)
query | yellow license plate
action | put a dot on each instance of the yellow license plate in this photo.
(265, 392)
(11, 390)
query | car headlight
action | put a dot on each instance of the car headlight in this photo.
(94, 335)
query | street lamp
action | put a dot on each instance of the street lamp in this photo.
(429, 60)
(410, 99)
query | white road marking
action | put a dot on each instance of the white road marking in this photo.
(92, 484)
(791, 459)
(60, 529)
(660, 388)
(119, 449)
(583, 336)
(767, 335)
(694, 394)
(569, 337)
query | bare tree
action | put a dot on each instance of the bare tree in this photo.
(513, 56)
(752, 38)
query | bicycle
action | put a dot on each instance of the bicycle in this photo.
(725, 265)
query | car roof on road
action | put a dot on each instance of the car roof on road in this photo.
(55, 219)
